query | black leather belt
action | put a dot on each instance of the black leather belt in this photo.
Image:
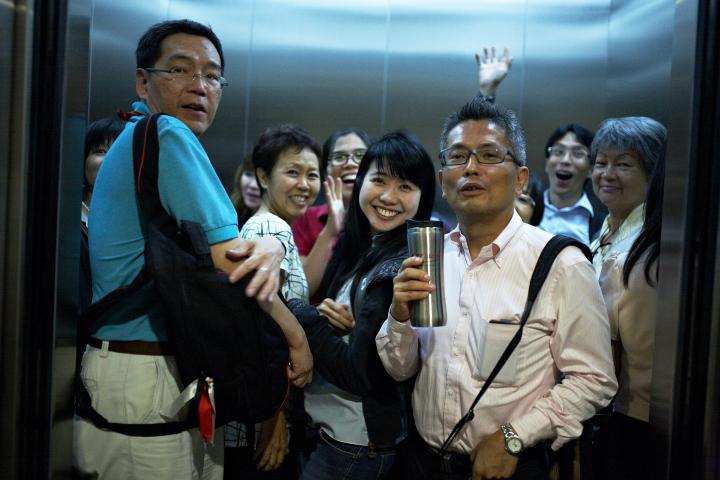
(451, 462)
(135, 347)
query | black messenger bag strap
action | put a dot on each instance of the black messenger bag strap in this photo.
(146, 149)
(146, 160)
(540, 273)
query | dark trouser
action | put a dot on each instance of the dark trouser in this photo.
(621, 450)
(418, 461)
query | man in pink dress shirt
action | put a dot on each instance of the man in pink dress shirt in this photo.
(489, 259)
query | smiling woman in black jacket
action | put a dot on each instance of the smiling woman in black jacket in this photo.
(359, 409)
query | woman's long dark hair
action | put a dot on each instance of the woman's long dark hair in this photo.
(398, 154)
(649, 237)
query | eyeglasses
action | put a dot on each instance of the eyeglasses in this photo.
(212, 81)
(489, 154)
(559, 151)
(339, 159)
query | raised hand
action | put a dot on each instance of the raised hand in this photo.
(336, 208)
(492, 69)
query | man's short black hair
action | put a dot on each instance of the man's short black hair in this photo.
(148, 49)
(582, 134)
(480, 109)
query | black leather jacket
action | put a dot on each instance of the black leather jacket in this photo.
(355, 366)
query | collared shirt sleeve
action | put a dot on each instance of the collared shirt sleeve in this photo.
(397, 346)
(581, 349)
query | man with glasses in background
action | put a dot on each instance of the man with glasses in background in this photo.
(128, 367)
(570, 209)
(488, 261)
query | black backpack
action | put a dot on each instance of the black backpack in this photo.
(231, 355)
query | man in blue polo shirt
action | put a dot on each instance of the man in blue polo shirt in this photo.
(128, 368)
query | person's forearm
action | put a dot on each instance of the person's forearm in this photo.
(316, 261)
(488, 89)
(287, 322)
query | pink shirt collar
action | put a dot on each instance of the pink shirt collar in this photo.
(488, 252)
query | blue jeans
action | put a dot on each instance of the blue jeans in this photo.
(333, 460)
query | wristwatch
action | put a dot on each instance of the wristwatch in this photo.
(513, 444)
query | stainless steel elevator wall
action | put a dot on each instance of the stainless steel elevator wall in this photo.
(382, 65)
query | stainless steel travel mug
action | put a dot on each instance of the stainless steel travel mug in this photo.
(426, 240)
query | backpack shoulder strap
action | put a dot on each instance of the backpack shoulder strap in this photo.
(545, 261)
(146, 159)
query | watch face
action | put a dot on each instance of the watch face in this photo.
(514, 445)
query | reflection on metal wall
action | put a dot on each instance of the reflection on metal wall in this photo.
(377, 65)
(15, 60)
(382, 65)
(639, 42)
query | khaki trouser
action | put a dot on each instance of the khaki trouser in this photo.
(129, 388)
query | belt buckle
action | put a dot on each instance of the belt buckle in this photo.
(445, 465)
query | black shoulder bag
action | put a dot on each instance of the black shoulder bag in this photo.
(542, 268)
(231, 355)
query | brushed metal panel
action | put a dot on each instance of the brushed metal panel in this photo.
(115, 30)
(6, 50)
(16, 45)
(640, 35)
(232, 23)
(565, 70)
(75, 108)
(679, 101)
(431, 66)
(74, 121)
(317, 64)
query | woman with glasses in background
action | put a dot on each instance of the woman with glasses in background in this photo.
(319, 228)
